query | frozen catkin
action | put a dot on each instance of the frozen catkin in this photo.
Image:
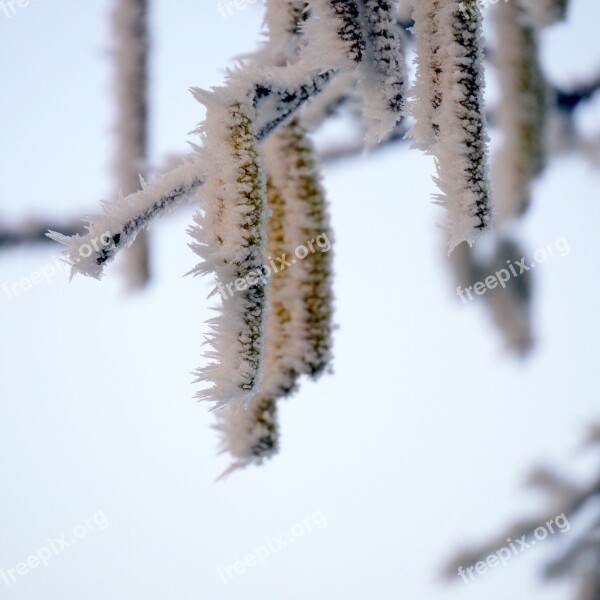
(229, 236)
(521, 112)
(334, 35)
(461, 150)
(297, 221)
(299, 317)
(250, 436)
(130, 55)
(294, 171)
(383, 70)
(425, 96)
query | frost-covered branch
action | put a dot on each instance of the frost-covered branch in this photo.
(336, 94)
(125, 217)
(279, 99)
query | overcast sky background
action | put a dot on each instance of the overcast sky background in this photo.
(416, 446)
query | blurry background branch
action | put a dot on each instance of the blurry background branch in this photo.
(575, 557)
(130, 60)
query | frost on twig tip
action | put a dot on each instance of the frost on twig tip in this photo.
(124, 218)
(230, 238)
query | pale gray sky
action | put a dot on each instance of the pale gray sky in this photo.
(417, 445)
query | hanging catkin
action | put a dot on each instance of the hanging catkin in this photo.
(230, 238)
